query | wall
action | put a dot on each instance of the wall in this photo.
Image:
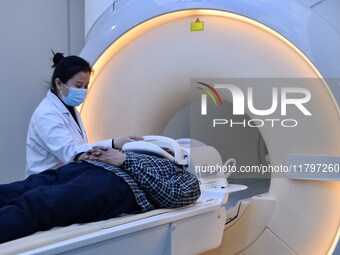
(29, 30)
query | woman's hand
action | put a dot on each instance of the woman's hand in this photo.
(107, 155)
(120, 141)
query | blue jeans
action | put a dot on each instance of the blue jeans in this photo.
(74, 193)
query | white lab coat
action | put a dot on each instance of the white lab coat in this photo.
(53, 137)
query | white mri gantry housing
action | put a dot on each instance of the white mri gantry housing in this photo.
(144, 55)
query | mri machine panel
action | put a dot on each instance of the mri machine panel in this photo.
(142, 81)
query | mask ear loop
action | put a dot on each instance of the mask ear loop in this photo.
(66, 87)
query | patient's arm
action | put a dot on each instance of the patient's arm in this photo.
(120, 141)
(117, 143)
(107, 155)
(165, 185)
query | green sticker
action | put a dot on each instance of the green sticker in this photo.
(197, 26)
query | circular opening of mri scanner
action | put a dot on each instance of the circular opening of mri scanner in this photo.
(142, 81)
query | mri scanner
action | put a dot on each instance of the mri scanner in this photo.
(145, 55)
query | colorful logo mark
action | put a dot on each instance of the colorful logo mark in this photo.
(209, 90)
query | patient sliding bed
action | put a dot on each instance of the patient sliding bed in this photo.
(188, 230)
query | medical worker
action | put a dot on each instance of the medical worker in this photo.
(56, 135)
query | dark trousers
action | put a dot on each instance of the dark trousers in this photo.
(74, 193)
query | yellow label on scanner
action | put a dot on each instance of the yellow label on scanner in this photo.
(197, 26)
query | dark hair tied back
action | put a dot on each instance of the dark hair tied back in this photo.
(66, 67)
(57, 57)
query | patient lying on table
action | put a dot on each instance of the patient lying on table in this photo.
(105, 185)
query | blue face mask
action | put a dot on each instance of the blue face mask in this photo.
(75, 96)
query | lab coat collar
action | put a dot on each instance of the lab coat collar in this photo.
(56, 101)
(62, 108)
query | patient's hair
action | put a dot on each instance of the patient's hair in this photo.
(66, 67)
(168, 151)
(172, 154)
